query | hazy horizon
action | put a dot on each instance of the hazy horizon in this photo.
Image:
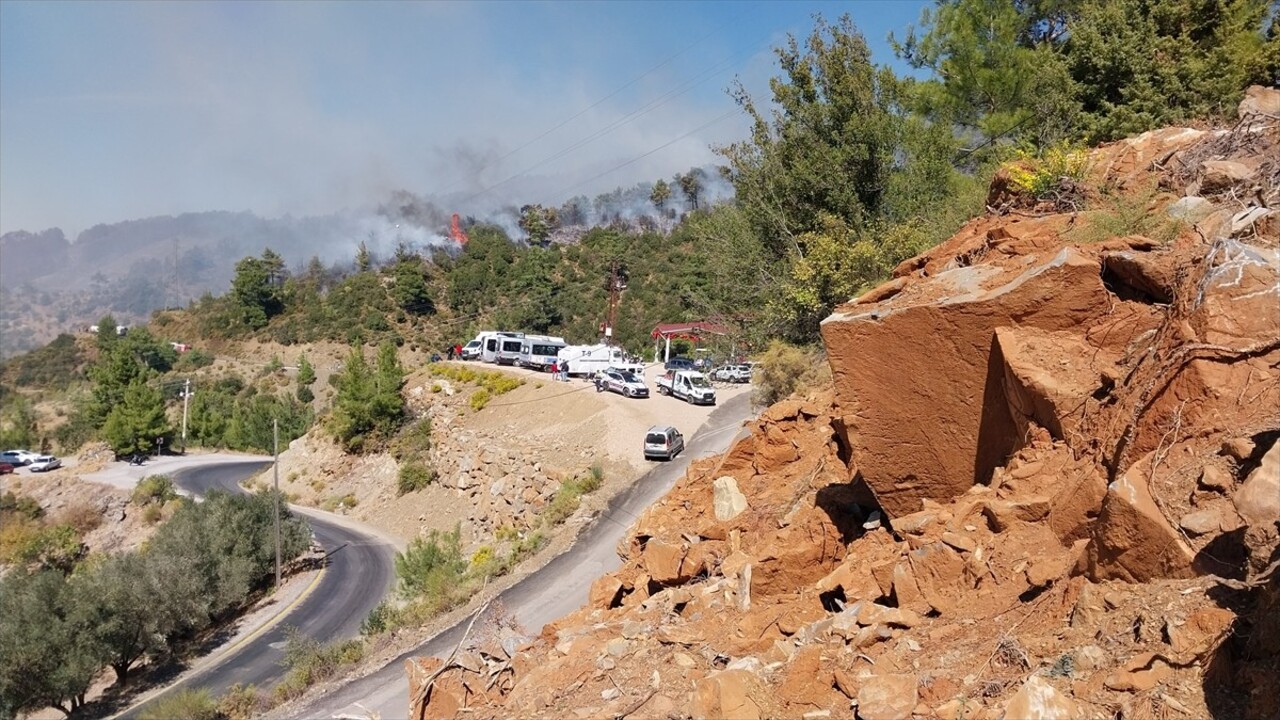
(113, 111)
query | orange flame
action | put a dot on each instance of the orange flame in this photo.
(456, 231)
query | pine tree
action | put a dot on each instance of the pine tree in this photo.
(389, 406)
(353, 417)
(363, 260)
(306, 377)
(111, 376)
(108, 333)
(660, 195)
(138, 422)
(253, 291)
(410, 291)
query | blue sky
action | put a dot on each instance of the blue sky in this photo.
(112, 111)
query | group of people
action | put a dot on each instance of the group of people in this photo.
(560, 371)
(454, 352)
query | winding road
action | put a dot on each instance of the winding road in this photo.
(558, 588)
(359, 571)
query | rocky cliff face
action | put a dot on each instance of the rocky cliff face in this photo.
(1046, 485)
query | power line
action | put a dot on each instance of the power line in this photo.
(638, 158)
(633, 115)
(639, 112)
(597, 103)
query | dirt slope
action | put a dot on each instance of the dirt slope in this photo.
(1044, 486)
(498, 466)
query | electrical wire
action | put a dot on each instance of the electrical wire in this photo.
(595, 104)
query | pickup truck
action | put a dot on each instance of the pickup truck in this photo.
(687, 385)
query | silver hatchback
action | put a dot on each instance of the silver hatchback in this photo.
(662, 442)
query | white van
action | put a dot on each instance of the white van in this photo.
(471, 350)
(540, 351)
(590, 359)
(492, 344)
(509, 349)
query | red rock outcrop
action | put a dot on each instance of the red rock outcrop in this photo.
(1042, 486)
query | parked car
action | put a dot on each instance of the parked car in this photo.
(19, 457)
(662, 441)
(732, 373)
(471, 350)
(679, 363)
(623, 382)
(45, 463)
(5, 468)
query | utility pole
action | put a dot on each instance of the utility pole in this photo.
(613, 302)
(186, 394)
(275, 472)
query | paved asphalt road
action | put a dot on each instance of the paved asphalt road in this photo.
(557, 589)
(360, 571)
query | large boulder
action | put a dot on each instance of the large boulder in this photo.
(888, 697)
(918, 389)
(1038, 700)
(1260, 100)
(728, 501)
(726, 696)
(1051, 379)
(1132, 539)
(1258, 499)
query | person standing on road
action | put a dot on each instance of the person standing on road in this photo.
(555, 370)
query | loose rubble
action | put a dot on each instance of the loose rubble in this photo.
(1044, 486)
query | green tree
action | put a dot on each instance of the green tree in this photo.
(538, 222)
(410, 290)
(124, 608)
(481, 270)
(1141, 64)
(306, 373)
(363, 260)
(46, 659)
(691, 185)
(431, 566)
(1093, 69)
(210, 409)
(997, 68)
(111, 375)
(274, 266)
(138, 422)
(843, 165)
(226, 545)
(107, 333)
(18, 423)
(389, 405)
(253, 416)
(306, 377)
(368, 404)
(353, 416)
(149, 350)
(840, 142)
(254, 295)
(660, 195)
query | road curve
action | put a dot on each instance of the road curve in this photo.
(556, 589)
(360, 570)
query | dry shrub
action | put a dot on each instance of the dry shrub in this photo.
(82, 516)
(787, 369)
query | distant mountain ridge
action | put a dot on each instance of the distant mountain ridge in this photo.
(51, 285)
